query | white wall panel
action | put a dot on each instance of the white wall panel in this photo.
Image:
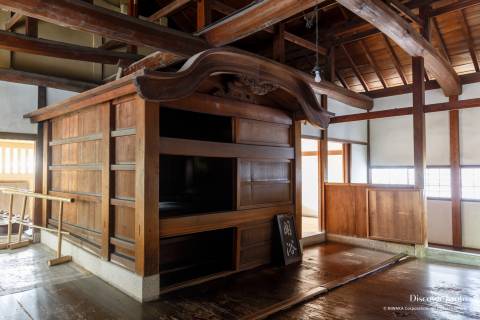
(470, 91)
(56, 95)
(358, 168)
(437, 138)
(471, 224)
(17, 100)
(439, 215)
(470, 136)
(354, 131)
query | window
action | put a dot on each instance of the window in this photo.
(471, 183)
(336, 162)
(398, 176)
(437, 182)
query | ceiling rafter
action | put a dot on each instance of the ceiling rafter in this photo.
(468, 35)
(441, 40)
(373, 63)
(354, 67)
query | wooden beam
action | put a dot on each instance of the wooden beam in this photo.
(455, 176)
(153, 61)
(374, 65)
(403, 34)
(436, 107)
(279, 43)
(253, 18)
(204, 13)
(168, 9)
(290, 37)
(17, 76)
(342, 81)
(459, 5)
(357, 72)
(13, 21)
(441, 40)
(468, 36)
(396, 61)
(430, 85)
(406, 11)
(419, 144)
(82, 16)
(22, 43)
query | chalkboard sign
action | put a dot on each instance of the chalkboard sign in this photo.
(292, 252)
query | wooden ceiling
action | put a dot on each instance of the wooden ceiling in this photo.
(365, 60)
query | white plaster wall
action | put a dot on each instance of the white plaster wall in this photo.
(439, 215)
(437, 134)
(471, 224)
(470, 91)
(56, 95)
(359, 171)
(470, 136)
(15, 101)
(354, 131)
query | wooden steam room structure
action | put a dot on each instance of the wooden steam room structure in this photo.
(174, 178)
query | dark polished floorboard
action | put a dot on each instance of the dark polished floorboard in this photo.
(79, 295)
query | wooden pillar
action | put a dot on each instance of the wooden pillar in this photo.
(108, 152)
(419, 121)
(132, 12)
(46, 160)
(204, 13)
(31, 27)
(39, 147)
(297, 135)
(147, 163)
(279, 43)
(346, 151)
(369, 164)
(455, 176)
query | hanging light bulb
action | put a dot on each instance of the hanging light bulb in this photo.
(316, 69)
(316, 72)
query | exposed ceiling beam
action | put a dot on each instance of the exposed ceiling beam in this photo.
(290, 37)
(35, 79)
(462, 4)
(441, 40)
(357, 72)
(436, 107)
(256, 17)
(13, 20)
(430, 85)
(21, 43)
(402, 8)
(468, 35)
(373, 63)
(404, 35)
(83, 16)
(168, 9)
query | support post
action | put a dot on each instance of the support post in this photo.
(279, 43)
(204, 13)
(108, 118)
(147, 234)
(297, 138)
(39, 149)
(455, 176)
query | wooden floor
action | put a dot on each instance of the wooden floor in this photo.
(75, 294)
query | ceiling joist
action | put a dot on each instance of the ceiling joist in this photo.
(404, 35)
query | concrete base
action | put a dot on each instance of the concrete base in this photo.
(142, 289)
(451, 256)
(391, 247)
(313, 240)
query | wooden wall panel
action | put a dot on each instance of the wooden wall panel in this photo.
(255, 245)
(263, 183)
(262, 133)
(345, 206)
(125, 113)
(125, 149)
(396, 215)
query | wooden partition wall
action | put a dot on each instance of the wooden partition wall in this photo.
(394, 214)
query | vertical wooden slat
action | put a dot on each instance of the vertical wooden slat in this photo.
(39, 147)
(279, 43)
(455, 176)
(47, 158)
(298, 175)
(108, 117)
(323, 173)
(369, 164)
(147, 239)
(419, 121)
(346, 150)
(203, 13)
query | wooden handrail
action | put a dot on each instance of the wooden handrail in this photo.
(35, 195)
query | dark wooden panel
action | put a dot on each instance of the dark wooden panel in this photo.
(124, 223)
(262, 133)
(263, 183)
